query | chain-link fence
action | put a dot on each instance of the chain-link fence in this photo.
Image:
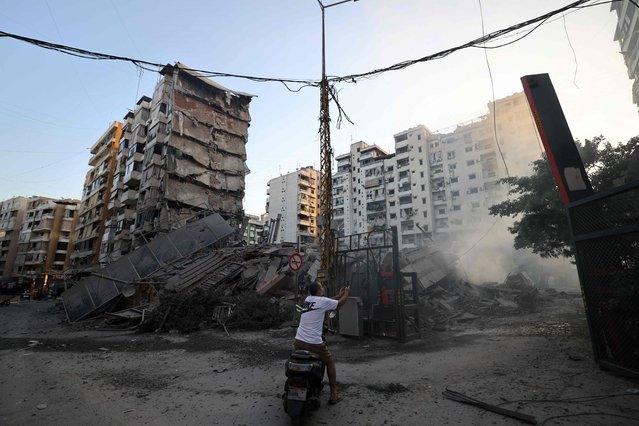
(605, 231)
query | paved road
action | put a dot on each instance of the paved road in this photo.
(52, 373)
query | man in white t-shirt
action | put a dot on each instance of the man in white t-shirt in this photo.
(309, 332)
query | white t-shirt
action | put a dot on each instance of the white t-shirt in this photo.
(312, 318)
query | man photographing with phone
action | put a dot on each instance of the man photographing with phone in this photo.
(309, 331)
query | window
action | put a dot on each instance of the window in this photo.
(163, 108)
(452, 166)
(473, 191)
(424, 200)
(392, 203)
(454, 180)
(469, 149)
(470, 162)
(441, 211)
(393, 216)
(419, 149)
(450, 155)
(419, 137)
(456, 208)
(423, 187)
(475, 205)
(421, 162)
(425, 214)
(421, 174)
(472, 176)
(454, 193)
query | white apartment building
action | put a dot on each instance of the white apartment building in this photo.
(359, 189)
(627, 34)
(435, 186)
(294, 197)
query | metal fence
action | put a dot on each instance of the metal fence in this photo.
(369, 262)
(605, 232)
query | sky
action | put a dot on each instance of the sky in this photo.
(53, 107)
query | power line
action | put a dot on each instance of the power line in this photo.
(492, 86)
(574, 54)
(477, 43)
(352, 78)
(148, 65)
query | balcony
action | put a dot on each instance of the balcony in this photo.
(155, 160)
(127, 214)
(44, 225)
(404, 188)
(104, 169)
(39, 238)
(439, 201)
(133, 178)
(129, 197)
(151, 182)
(115, 202)
(370, 183)
(117, 185)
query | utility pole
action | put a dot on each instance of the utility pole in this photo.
(326, 241)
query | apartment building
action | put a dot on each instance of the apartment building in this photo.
(46, 238)
(183, 153)
(118, 239)
(360, 189)
(253, 229)
(12, 213)
(435, 187)
(294, 197)
(627, 34)
(93, 210)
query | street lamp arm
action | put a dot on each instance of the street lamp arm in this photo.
(323, 6)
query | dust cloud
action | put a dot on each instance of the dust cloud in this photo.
(488, 255)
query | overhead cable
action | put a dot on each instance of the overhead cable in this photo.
(351, 78)
(477, 43)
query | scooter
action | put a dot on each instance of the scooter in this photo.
(304, 372)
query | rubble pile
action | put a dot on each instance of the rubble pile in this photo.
(454, 301)
(193, 277)
(232, 287)
(199, 309)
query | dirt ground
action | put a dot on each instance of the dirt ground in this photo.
(54, 373)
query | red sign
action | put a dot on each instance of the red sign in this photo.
(295, 262)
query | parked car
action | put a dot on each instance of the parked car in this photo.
(26, 295)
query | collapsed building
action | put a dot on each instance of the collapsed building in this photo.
(201, 275)
(182, 152)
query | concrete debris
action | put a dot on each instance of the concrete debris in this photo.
(209, 282)
(454, 301)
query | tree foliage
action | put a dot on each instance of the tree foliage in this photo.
(534, 200)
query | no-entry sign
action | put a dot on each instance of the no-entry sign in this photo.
(295, 262)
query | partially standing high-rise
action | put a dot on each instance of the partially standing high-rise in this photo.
(183, 154)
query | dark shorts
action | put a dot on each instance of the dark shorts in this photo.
(320, 350)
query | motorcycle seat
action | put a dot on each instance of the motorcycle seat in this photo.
(303, 355)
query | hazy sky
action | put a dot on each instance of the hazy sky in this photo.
(53, 107)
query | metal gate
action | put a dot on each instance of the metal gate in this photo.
(605, 232)
(369, 262)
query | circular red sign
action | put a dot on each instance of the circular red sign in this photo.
(295, 262)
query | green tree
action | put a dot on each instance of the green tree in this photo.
(534, 200)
